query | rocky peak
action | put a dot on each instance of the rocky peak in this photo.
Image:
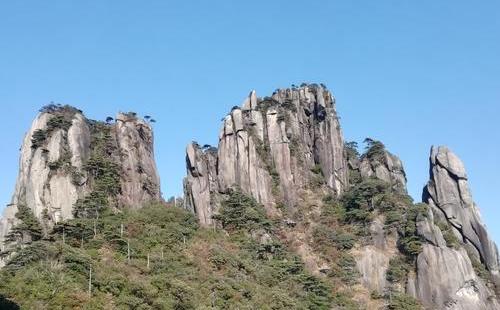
(380, 163)
(449, 195)
(67, 160)
(271, 148)
(458, 267)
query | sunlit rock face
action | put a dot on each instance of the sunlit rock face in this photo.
(445, 276)
(270, 148)
(55, 151)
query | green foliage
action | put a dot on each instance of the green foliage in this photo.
(410, 243)
(398, 270)
(403, 302)
(393, 218)
(351, 149)
(316, 170)
(59, 122)
(103, 171)
(27, 229)
(478, 267)
(345, 269)
(241, 212)
(448, 235)
(360, 200)
(38, 138)
(325, 236)
(344, 301)
(374, 150)
(189, 267)
(61, 119)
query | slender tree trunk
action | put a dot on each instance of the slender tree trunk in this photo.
(121, 230)
(128, 250)
(95, 223)
(64, 236)
(148, 261)
(90, 281)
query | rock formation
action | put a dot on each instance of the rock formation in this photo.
(454, 276)
(388, 168)
(65, 157)
(270, 148)
(284, 148)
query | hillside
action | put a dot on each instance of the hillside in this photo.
(281, 214)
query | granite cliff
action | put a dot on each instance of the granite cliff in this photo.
(281, 214)
(69, 163)
(287, 151)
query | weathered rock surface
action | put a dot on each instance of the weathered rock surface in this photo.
(271, 148)
(445, 276)
(140, 181)
(52, 175)
(446, 280)
(448, 191)
(387, 167)
(372, 260)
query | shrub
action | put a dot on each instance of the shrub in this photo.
(59, 122)
(28, 228)
(410, 243)
(403, 302)
(375, 150)
(241, 212)
(397, 271)
(38, 138)
(346, 269)
(316, 169)
(362, 196)
(345, 302)
(448, 235)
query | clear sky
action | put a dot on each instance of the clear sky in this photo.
(410, 73)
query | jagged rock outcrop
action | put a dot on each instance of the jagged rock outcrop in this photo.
(448, 192)
(140, 181)
(65, 156)
(384, 166)
(445, 274)
(446, 280)
(271, 148)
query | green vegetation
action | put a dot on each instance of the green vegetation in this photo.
(59, 122)
(62, 116)
(403, 302)
(351, 150)
(158, 258)
(103, 172)
(27, 230)
(241, 212)
(410, 243)
(38, 138)
(398, 270)
(345, 269)
(374, 150)
(360, 200)
(451, 239)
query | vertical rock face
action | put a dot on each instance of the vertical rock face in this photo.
(446, 280)
(448, 192)
(446, 277)
(139, 179)
(54, 160)
(271, 148)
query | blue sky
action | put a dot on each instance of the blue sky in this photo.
(410, 73)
